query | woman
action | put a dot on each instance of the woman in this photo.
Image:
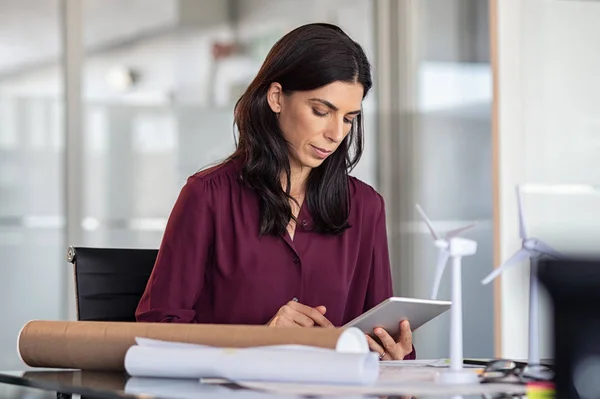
(279, 234)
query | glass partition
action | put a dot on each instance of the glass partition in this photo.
(32, 215)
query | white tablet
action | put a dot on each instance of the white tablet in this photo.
(389, 313)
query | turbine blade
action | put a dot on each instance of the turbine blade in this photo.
(546, 249)
(455, 232)
(515, 259)
(522, 229)
(427, 222)
(439, 271)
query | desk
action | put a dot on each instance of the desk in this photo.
(50, 384)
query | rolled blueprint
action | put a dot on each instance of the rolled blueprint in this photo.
(273, 363)
(95, 345)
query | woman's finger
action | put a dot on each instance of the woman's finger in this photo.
(387, 341)
(313, 313)
(282, 321)
(405, 339)
(296, 316)
(374, 346)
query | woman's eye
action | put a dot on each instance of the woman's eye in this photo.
(318, 113)
(348, 121)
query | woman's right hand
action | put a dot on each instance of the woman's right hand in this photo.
(295, 314)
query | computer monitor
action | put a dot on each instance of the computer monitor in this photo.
(565, 216)
(573, 285)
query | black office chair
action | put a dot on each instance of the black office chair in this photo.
(109, 282)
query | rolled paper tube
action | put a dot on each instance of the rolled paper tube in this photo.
(101, 346)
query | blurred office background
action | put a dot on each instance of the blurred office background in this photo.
(106, 106)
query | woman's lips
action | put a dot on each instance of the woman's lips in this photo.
(321, 152)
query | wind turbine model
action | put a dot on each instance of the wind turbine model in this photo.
(455, 247)
(532, 248)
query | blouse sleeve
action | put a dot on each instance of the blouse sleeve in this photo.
(380, 285)
(178, 274)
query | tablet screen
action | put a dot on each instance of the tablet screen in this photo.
(389, 313)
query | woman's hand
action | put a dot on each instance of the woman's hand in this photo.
(295, 314)
(392, 349)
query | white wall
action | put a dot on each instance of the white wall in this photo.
(549, 123)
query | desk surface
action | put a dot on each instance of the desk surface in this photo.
(44, 384)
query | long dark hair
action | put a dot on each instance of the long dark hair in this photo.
(308, 57)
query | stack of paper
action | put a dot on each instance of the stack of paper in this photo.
(281, 363)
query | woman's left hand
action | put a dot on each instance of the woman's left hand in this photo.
(392, 349)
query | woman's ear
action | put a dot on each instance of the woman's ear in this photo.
(275, 97)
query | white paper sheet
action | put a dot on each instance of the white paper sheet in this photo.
(410, 378)
(406, 378)
(440, 363)
(385, 389)
(416, 363)
(391, 373)
(177, 388)
(192, 389)
(284, 363)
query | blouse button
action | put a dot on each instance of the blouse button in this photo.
(304, 223)
(296, 259)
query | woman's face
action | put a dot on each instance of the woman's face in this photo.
(315, 122)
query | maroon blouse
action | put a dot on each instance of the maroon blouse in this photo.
(213, 267)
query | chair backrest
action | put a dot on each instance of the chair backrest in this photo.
(109, 282)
